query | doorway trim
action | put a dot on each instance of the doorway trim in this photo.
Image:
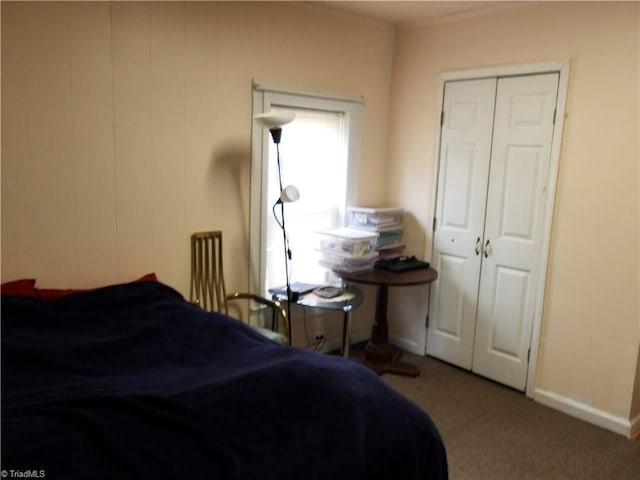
(563, 68)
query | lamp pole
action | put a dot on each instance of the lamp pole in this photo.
(274, 121)
(276, 133)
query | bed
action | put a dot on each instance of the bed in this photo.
(133, 381)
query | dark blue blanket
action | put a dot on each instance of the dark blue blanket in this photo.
(131, 381)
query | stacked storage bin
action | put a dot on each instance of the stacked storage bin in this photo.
(348, 250)
(385, 222)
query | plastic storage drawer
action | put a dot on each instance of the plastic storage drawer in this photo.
(347, 263)
(374, 218)
(348, 241)
(389, 238)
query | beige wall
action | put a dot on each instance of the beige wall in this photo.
(126, 126)
(591, 320)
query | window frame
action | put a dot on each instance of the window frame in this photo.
(266, 97)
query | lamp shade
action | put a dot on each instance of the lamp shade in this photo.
(289, 194)
(274, 119)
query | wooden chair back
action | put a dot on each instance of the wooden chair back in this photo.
(207, 274)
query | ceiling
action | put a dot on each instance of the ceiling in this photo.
(418, 13)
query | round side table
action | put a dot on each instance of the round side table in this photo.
(350, 299)
(379, 355)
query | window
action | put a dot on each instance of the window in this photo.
(318, 153)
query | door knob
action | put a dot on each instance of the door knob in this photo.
(487, 249)
(478, 246)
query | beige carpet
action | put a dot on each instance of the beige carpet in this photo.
(492, 432)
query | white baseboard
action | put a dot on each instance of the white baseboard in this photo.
(587, 413)
(336, 344)
(360, 337)
(405, 344)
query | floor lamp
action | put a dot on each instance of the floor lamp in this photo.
(274, 122)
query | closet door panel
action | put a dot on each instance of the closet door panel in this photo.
(505, 334)
(523, 130)
(465, 149)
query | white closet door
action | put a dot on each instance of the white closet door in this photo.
(465, 151)
(523, 131)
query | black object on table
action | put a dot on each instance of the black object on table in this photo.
(400, 264)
